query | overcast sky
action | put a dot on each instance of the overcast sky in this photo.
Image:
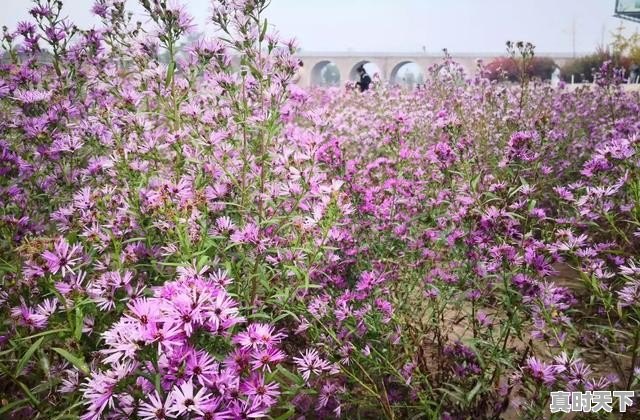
(408, 25)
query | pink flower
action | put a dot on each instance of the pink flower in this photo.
(123, 341)
(32, 96)
(29, 317)
(155, 408)
(248, 409)
(186, 313)
(70, 382)
(264, 358)
(258, 336)
(541, 371)
(238, 360)
(98, 393)
(185, 401)
(201, 366)
(62, 258)
(222, 309)
(248, 234)
(144, 311)
(311, 363)
(261, 392)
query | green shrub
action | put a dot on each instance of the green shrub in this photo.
(582, 68)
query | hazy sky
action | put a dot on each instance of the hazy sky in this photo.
(408, 25)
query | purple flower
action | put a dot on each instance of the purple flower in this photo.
(201, 366)
(98, 394)
(629, 295)
(263, 359)
(258, 336)
(247, 409)
(186, 400)
(28, 317)
(154, 408)
(540, 371)
(29, 97)
(63, 257)
(262, 393)
(310, 362)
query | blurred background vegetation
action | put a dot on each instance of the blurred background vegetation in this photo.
(623, 51)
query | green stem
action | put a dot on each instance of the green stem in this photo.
(634, 356)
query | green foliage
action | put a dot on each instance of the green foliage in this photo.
(583, 68)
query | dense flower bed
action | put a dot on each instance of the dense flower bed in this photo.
(197, 238)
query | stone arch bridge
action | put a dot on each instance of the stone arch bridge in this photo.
(389, 64)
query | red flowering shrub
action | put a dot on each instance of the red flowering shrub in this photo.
(509, 68)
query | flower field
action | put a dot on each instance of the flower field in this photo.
(186, 234)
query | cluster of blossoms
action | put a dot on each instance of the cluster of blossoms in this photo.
(573, 372)
(156, 368)
(454, 251)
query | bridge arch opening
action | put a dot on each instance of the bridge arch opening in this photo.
(325, 73)
(371, 68)
(407, 74)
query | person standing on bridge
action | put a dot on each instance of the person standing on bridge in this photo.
(365, 79)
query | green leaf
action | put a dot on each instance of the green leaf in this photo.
(5, 352)
(170, 71)
(474, 182)
(457, 394)
(514, 191)
(169, 264)
(41, 334)
(74, 360)
(264, 30)
(11, 405)
(29, 394)
(79, 323)
(287, 414)
(44, 363)
(25, 357)
(259, 315)
(292, 377)
(64, 414)
(474, 391)
(203, 260)
(130, 240)
(284, 315)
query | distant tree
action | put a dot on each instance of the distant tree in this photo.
(583, 68)
(330, 75)
(625, 47)
(409, 79)
(542, 67)
(623, 51)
